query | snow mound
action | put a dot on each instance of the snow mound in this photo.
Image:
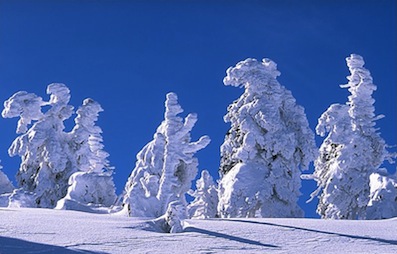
(27, 230)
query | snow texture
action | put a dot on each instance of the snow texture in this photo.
(205, 201)
(166, 166)
(268, 145)
(55, 231)
(352, 150)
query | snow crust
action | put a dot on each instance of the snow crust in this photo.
(57, 231)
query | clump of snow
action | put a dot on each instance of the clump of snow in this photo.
(88, 189)
(172, 220)
(205, 201)
(20, 198)
(25, 105)
(268, 145)
(383, 197)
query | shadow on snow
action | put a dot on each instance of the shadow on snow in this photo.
(17, 246)
(228, 237)
(385, 241)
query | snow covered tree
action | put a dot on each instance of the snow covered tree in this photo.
(93, 183)
(205, 201)
(383, 196)
(86, 139)
(140, 193)
(166, 166)
(5, 184)
(268, 144)
(352, 151)
(45, 167)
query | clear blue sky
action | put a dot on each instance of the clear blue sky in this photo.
(128, 54)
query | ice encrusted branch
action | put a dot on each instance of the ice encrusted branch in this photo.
(26, 106)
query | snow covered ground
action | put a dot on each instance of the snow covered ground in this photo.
(60, 231)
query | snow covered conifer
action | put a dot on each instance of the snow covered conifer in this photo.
(205, 201)
(5, 184)
(140, 193)
(86, 139)
(268, 144)
(180, 167)
(166, 166)
(45, 167)
(352, 151)
(93, 183)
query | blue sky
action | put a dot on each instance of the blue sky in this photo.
(128, 54)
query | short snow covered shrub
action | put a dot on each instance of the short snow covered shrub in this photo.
(205, 201)
(172, 220)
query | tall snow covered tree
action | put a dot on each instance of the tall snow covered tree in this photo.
(268, 144)
(93, 183)
(45, 167)
(86, 139)
(205, 201)
(166, 166)
(352, 151)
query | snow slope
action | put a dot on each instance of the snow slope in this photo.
(60, 231)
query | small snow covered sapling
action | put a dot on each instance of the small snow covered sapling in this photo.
(166, 166)
(267, 146)
(205, 201)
